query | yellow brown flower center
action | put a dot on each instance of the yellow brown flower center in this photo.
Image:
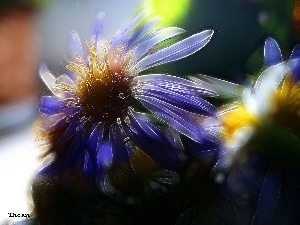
(103, 87)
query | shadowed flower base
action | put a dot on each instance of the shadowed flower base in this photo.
(195, 199)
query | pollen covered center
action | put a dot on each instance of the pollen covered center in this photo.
(102, 89)
(235, 119)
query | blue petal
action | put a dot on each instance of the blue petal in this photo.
(93, 144)
(296, 70)
(124, 35)
(205, 148)
(269, 196)
(91, 168)
(64, 119)
(195, 104)
(243, 180)
(121, 152)
(181, 120)
(105, 155)
(96, 137)
(98, 28)
(175, 84)
(52, 105)
(77, 150)
(143, 32)
(174, 52)
(153, 142)
(76, 48)
(50, 170)
(272, 53)
(67, 135)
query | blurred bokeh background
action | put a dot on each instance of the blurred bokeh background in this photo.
(37, 31)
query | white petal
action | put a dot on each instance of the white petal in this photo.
(222, 87)
(66, 80)
(48, 78)
(265, 86)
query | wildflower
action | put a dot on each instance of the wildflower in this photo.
(106, 107)
(261, 132)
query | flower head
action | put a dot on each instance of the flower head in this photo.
(260, 134)
(105, 107)
(267, 109)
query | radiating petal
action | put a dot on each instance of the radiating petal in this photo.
(52, 105)
(149, 43)
(176, 51)
(174, 84)
(124, 35)
(152, 141)
(121, 152)
(75, 47)
(51, 82)
(265, 86)
(222, 87)
(105, 155)
(181, 120)
(269, 196)
(67, 135)
(74, 156)
(167, 177)
(98, 29)
(296, 70)
(61, 118)
(66, 80)
(272, 53)
(96, 137)
(245, 180)
(206, 147)
(195, 105)
(143, 32)
(49, 79)
(90, 167)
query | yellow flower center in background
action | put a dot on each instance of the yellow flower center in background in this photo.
(284, 112)
(235, 119)
(287, 106)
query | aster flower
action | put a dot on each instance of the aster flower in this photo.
(106, 107)
(260, 132)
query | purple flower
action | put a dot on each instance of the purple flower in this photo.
(106, 107)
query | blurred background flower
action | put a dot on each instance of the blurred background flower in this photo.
(260, 132)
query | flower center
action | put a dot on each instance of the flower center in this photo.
(277, 134)
(287, 106)
(102, 90)
(235, 119)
